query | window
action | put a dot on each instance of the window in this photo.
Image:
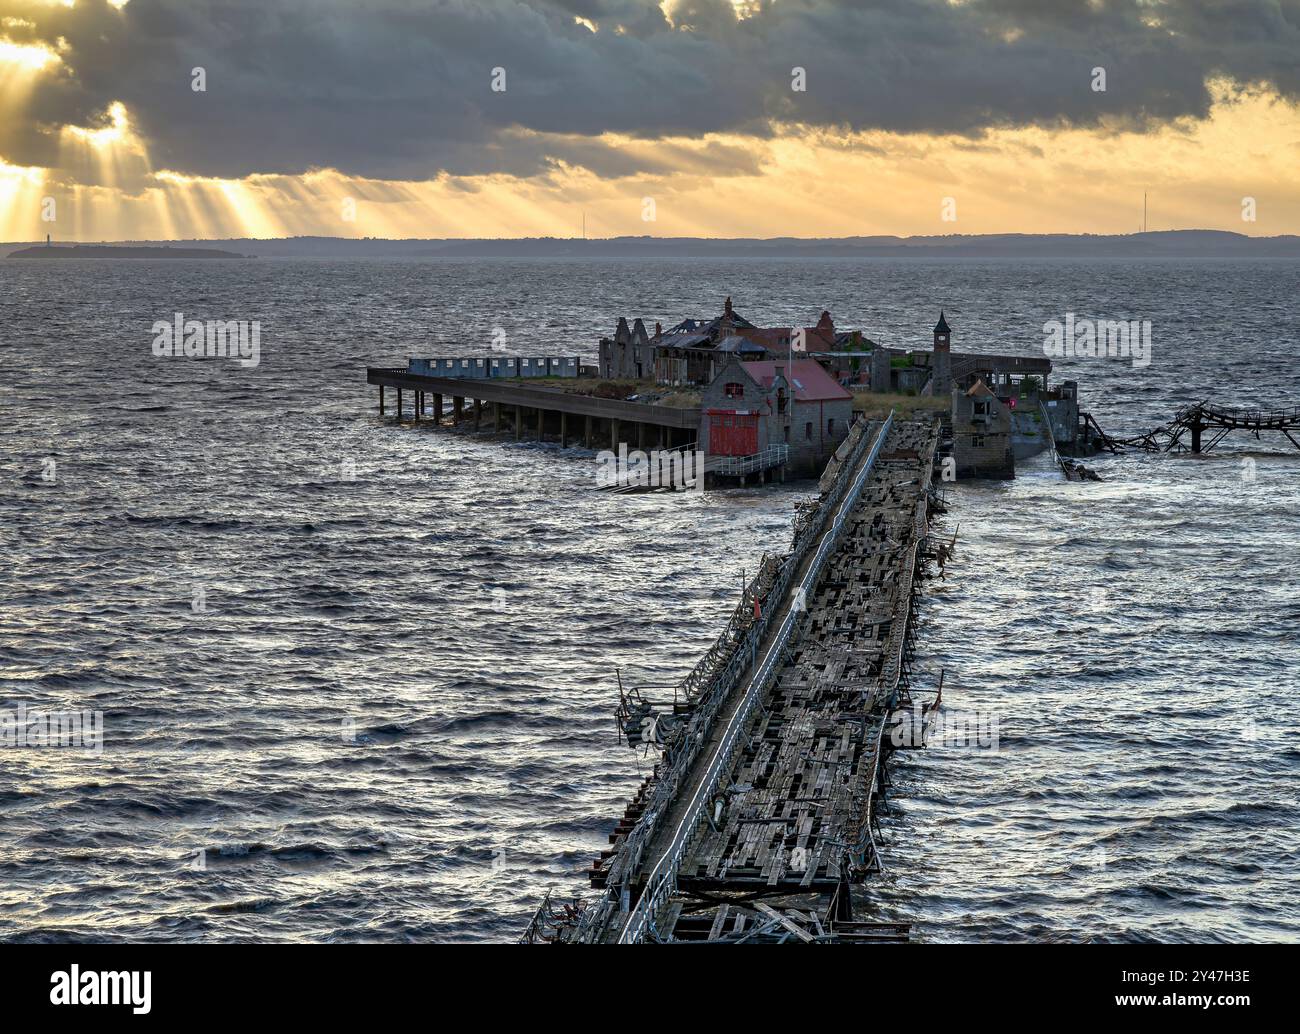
(807, 430)
(977, 441)
(780, 400)
(830, 427)
(981, 407)
(480, 364)
(734, 390)
(496, 364)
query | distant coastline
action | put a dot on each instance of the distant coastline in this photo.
(1167, 244)
(117, 251)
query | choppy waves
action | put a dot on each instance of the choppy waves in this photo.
(377, 705)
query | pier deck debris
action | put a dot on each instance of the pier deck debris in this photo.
(760, 815)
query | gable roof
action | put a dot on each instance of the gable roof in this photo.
(811, 382)
(738, 322)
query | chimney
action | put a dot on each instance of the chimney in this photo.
(726, 309)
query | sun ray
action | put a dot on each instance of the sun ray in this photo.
(22, 192)
(111, 154)
(818, 181)
(31, 57)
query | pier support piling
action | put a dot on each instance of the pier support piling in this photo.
(571, 418)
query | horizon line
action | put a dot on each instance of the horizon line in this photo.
(653, 237)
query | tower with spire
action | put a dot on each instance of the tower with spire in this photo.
(941, 364)
(942, 334)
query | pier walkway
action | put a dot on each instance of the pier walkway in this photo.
(760, 816)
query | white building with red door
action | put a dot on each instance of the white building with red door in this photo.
(795, 402)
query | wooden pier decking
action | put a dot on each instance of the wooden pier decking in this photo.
(760, 816)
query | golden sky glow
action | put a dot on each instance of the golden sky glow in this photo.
(1023, 180)
(803, 182)
(24, 57)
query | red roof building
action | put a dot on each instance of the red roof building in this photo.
(811, 382)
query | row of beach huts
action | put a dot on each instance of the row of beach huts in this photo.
(486, 367)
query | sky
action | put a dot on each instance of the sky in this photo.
(169, 119)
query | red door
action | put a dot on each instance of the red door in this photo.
(732, 433)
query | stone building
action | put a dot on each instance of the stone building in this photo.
(695, 351)
(981, 433)
(751, 405)
(684, 354)
(628, 354)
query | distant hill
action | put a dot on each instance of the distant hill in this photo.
(117, 251)
(1169, 244)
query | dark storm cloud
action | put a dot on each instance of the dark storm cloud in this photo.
(401, 88)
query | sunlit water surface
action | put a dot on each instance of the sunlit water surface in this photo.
(391, 716)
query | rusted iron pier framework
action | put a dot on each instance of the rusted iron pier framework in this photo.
(1193, 421)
